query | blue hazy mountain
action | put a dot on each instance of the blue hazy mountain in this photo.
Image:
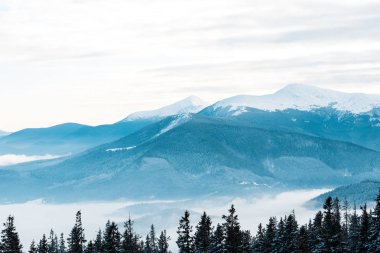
(71, 138)
(66, 138)
(357, 193)
(193, 155)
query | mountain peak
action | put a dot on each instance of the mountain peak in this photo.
(305, 98)
(191, 104)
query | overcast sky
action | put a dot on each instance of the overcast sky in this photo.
(96, 61)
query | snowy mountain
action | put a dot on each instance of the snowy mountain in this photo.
(194, 155)
(190, 104)
(301, 97)
(3, 133)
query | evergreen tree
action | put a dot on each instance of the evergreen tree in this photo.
(246, 242)
(270, 235)
(32, 248)
(112, 238)
(98, 244)
(43, 245)
(62, 244)
(185, 240)
(76, 240)
(303, 240)
(364, 230)
(280, 237)
(130, 243)
(233, 233)
(328, 229)
(354, 232)
(217, 240)
(202, 238)
(163, 243)
(10, 241)
(316, 234)
(53, 243)
(90, 247)
(153, 240)
(374, 233)
(259, 242)
(291, 234)
(147, 247)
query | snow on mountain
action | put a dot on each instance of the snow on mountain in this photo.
(190, 104)
(304, 98)
(3, 133)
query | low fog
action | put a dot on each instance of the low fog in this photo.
(37, 217)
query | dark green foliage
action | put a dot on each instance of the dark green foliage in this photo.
(76, 241)
(131, 241)
(43, 245)
(10, 241)
(303, 239)
(32, 248)
(374, 233)
(98, 244)
(111, 238)
(62, 244)
(202, 238)
(364, 230)
(185, 239)
(217, 240)
(163, 243)
(270, 235)
(233, 233)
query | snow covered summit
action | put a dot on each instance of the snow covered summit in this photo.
(190, 104)
(303, 97)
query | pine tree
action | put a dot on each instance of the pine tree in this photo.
(147, 247)
(130, 243)
(259, 242)
(43, 245)
(185, 240)
(270, 234)
(112, 238)
(374, 233)
(246, 242)
(280, 237)
(163, 242)
(316, 234)
(328, 226)
(10, 241)
(32, 248)
(364, 230)
(233, 233)
(217, 240)
(62, 244)
(90, 247)
(202, 238)
(76, 241)
(303, 239)
(98, 244)
(291, 234)
(53, 243)
(354, 232)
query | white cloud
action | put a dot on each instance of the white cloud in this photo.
(95, 61)
(10, 159)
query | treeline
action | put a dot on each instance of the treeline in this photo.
(337, 228)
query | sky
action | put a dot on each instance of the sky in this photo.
(96, 61)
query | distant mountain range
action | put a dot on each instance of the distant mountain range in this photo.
(71, 138)
(298, 137)
(357, 193)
